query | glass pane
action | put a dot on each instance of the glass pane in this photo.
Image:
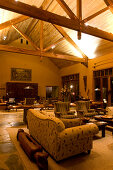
(106, 72)
(102, 72)
(105, 89)
(111, 91)
(97, 89)
(110, 71)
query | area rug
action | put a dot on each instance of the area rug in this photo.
(99, 159)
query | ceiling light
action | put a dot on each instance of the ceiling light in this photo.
(4, 37)
(16, 0)
(53, 47)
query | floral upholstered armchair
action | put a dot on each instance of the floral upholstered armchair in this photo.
(83, 109)
(62, 110)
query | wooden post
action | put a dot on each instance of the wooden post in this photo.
(79, 14)
(109, 90)
(41, 38)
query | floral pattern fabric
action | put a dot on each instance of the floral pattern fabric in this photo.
(62, 110)
(58, 141)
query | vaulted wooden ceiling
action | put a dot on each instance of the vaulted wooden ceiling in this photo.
(65, 31)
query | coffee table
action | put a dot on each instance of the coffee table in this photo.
(105, 118)
(101, 125)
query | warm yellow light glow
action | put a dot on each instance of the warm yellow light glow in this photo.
(71, 86)
(4, 37)
(75, 52)
(87, 44)
(0, 16)
(53, 47)
(86, 24)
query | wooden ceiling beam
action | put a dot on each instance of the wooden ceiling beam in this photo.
(41, 38)
(39, 53)
(26, 37)
(96, 32)
(79, 14)
(67, 10)
(110, 2)
(63, 56)
(38, 13)
(95, 14)
(54, 44)
(41, 35)
(67, 37)
(13, 21)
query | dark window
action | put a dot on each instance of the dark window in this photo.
(26, 42)
(21, 41)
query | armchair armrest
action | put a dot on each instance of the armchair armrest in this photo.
(71, 112)
(57, 114)
(91, 110)
(79, 132)
(71, 122)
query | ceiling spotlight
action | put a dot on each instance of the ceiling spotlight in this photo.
(4, 37)
(16, 0)
(53, 47)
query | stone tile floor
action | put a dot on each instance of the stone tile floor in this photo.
(9, 158)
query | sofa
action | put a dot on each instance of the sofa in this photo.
(60, 142)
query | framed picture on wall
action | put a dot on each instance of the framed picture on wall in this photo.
(21, 74)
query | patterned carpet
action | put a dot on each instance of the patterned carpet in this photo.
(99, 159)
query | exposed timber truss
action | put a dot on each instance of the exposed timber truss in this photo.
(73, 22)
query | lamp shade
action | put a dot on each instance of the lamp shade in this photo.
(28, 87)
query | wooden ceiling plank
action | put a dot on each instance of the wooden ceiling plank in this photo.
(38, 13)
(54, 44)
(95, 14)
(38, 53)
(25, 36)
(13, 21)
(45, 5)
(67, 37)
(79, 14)
(31, 26)
(67, 9)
